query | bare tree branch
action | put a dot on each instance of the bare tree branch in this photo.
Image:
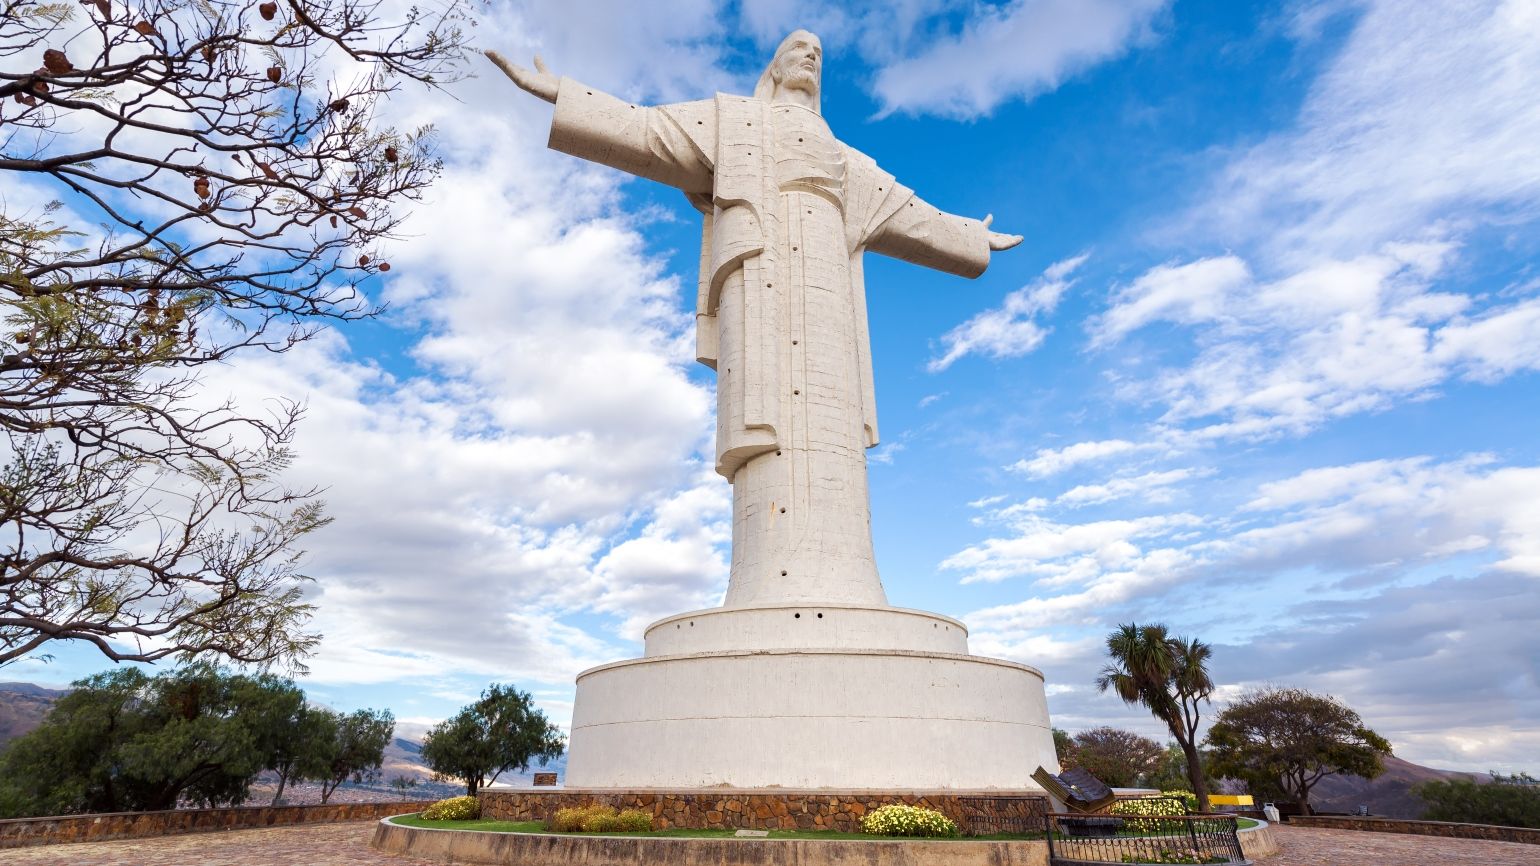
(232, 187)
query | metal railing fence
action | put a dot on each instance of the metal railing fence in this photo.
(1103, 838)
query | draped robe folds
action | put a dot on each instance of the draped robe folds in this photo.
(788, 212)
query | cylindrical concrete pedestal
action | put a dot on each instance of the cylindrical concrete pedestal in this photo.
(810, 718)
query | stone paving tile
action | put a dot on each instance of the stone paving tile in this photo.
(348, 845)
(1315, 846)
(345, 844)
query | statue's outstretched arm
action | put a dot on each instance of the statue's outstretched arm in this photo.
(670, 144)
(919, 233)
(540, 81)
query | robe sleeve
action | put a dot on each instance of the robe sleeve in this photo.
(919, 233)
(671, 144)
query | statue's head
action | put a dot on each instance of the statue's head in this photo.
(798, 65)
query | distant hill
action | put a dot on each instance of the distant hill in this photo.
(23, 706)
(1389, 795)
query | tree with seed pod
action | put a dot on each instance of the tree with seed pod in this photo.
(140, 519)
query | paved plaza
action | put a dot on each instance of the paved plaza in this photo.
(1313, 846)
(348, 845)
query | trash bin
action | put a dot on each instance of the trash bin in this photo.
(1270, 812)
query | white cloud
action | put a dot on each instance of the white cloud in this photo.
(1399, 515)
(1017, 50)
(1427, 115)
(532, 468)
(1051, 461)
(1327, 579)
(1331, 340)
(1058, 554)
(1151, 486)
(1010, 330)
(1422, 131)
(1188, 294)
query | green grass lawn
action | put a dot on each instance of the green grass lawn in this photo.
(1244, 823)
(490, 826)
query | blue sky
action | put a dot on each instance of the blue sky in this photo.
(1266, 367)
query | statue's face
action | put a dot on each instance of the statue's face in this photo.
(799, 66)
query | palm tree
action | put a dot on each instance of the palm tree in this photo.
(1169, 675)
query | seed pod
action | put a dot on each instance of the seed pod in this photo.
(23, 338)
(145, 28)
(268, 170)
(384, 266)
(334, 220)
(357, 211)
(201, 187)
(103, 7)
(390, 154)
(26, 99)
(338, 105)
(268, 10)
(208, 54)
(363, 261)
(275, 74)
(55, 61)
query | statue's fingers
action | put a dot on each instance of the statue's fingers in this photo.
(501, 62)
(540, 65)
(988, 219)
(998, 241)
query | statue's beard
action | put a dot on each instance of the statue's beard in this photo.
(800, 78)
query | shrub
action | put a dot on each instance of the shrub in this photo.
(1510, 801)
(635, 821)
(454, 809)
(571, 818)
(597, 818)
(1188, 798)
(1150, 810)
(907, 821)
(1166, 855)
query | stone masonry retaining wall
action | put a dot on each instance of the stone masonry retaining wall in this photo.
(1421, 828)
(761, 809)
(19, 832)
(541, 849)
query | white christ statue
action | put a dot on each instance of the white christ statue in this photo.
(788, 213)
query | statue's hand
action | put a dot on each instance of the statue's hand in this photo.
(540, 82)
(998, 241)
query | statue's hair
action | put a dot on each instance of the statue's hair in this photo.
(765, 89)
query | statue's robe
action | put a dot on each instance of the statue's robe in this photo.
(788, 211)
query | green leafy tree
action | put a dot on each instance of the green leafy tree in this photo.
(1169, 676)
(218, 192)
(1508, 801)
(355, 748)
(1170, 772)
(1287, 740)
(402, 784)
(1064, 747)
(67, 764)
(500, 732)
(301, 745)
(123, 741)
(1122, 759)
